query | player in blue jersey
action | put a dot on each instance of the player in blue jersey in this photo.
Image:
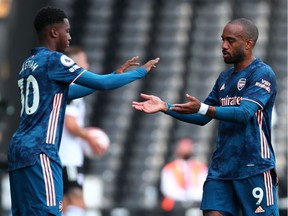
(48, 79)
(242, 174)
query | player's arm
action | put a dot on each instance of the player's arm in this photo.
(110, 81)
(88, 82)
(77, 91)
(240, 114)
(194, 118)
(154, 104)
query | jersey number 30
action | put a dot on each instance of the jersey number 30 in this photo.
(29, 91)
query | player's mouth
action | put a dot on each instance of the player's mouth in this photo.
(225, 54)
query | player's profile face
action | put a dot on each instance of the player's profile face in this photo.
(233, 45)
(63, 29)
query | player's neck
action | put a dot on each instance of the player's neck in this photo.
(48, 44)
(243, 64)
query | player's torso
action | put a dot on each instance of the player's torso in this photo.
(240, 146)
(42, 112)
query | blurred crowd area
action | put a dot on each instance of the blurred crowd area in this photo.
(186, 35)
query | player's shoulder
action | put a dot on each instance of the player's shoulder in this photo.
(53, 56)
(62, 59)
(263, 67)
(262, 71)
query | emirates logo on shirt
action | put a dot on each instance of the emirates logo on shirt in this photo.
(241, 83)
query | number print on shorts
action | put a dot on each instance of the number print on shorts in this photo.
(258, 193)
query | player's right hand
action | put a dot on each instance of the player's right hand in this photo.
(127, 64)
(151, 64)
(152, 104)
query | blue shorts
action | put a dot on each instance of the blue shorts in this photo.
(253, 196)
(37, 190)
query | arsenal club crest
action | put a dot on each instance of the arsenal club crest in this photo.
(241, 83)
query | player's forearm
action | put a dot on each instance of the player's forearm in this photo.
(77, 91)
(240, 114)
(109, 81)
(190, 118)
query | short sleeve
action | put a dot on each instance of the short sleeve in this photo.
(261, 86)
(62, 68)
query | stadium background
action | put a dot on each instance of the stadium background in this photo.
(185, 34)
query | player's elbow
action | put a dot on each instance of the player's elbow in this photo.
(245, 115)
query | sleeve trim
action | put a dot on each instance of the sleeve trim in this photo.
(78, 76)
(254, 102)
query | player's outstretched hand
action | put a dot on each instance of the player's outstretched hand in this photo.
(152, 104)
(192, 106)
(151, 64)
(128, 63)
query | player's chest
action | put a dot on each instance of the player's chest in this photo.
(233, 85)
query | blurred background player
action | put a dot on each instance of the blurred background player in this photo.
(74, 132)
(182, 179)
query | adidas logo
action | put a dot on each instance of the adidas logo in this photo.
(222, 87)
(259, 210)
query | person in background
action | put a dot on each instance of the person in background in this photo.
(182, 179)
(74, 132)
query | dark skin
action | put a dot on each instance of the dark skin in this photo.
(237, 50)
(56, 37)
(234, 42)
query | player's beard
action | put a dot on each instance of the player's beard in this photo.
(236, 58)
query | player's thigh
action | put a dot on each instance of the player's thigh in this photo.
(73, 177)
(219, 196)
(258, 194)
(37, 189)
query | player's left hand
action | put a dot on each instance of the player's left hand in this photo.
(127, 64)
(190, 107)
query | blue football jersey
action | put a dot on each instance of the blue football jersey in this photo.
(44, 83)
(244, 150)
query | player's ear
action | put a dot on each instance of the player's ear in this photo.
(53, 32)
(249, 44)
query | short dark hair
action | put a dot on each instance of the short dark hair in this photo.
(47, 16)
(249, 28)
